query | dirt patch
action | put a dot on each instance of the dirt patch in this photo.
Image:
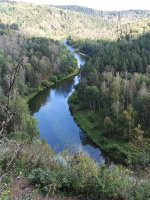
(21, 190)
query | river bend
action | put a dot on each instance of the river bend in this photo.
(55, 121)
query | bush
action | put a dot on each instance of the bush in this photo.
(54, 79)
(70, 70)
(31, 126)
(103, 140)
(91, 116)
(98, 187)
(46, 83)
(137, 192)
(124, 154)
(82, 175)
(113, 148)
(73, 99)
(19, 136)
(81, 106)
(41, 178)
(44, 178)
(39, 88)
(5, 195)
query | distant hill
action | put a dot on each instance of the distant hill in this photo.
(107, 14)
(47, 21)
(57, 22)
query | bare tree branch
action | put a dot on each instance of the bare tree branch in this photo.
(7, 109)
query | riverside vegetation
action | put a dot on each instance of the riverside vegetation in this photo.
(107, 102)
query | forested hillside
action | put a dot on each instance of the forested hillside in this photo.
(130, 23)
(120, 15)
(48, 21)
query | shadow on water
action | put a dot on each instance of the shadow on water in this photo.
(85, 140)
(39, 100)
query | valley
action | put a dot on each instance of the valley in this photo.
(74, 102)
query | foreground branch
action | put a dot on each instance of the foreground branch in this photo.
(8, 114)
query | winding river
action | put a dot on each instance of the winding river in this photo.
(56, 123)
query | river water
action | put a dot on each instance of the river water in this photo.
(55, 121)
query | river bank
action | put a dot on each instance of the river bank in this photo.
(119, 150)
(41, 88)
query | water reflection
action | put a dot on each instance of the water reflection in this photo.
(61, 89)
(64, 88)
(86, 140)
(39, 100)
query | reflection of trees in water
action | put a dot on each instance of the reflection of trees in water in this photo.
(85, 140)
(38, 100)
(65, 88)
(61, 89)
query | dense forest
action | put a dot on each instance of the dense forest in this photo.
(43, 59)
(123, 55)
(114, 89)
(111, 102)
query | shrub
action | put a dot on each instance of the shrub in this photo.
(103, 140)
(5, 195)
(19, 136)
(73, 99)
(91, 116)
(39, 88)
(46, 83)
(113, 148)
(54, 79)
(81, 106)
(124, 154)
(70, 70)
(41, 178)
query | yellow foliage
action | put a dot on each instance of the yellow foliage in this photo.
(130, 114)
